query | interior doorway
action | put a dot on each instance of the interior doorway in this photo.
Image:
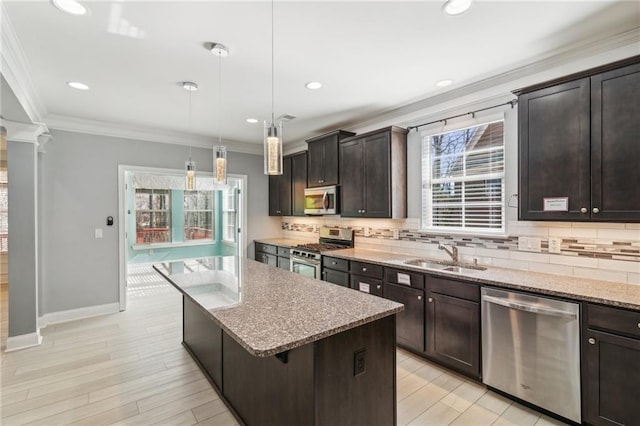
(160, 221)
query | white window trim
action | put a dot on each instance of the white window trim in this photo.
(440, 128)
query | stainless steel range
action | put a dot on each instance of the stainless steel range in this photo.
(306, 258)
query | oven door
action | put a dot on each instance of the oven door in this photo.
(308, 268)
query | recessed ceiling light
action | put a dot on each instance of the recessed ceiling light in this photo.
(189, 86)
(444, 83)
(313, 85)
(77, 85)
(252, 120)
(456, 7)
(71, 7)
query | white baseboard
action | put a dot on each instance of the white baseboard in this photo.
(76, 314)
(23, 341)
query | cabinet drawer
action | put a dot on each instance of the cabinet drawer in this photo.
(402, 277)
(336, 277)
(619, 321)
(454, 288)
(284, 251)
(367, 269)
(366, 285)
(266, 248)
(335, 263)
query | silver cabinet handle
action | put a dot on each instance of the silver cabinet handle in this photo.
(320, 181)
(430, 300)
(596, 210)
(639, 325)
(334, 263)
(379, 287)
(592, 341)
(364, 269)
(583, 210)
(419, 297)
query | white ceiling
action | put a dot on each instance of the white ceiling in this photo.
(370, 56)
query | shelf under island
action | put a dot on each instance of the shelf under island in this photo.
(284, 349)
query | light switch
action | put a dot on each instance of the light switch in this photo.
(530, 244)
(555, 244)
(98, 232)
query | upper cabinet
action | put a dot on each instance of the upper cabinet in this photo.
(286, 191)
(373, 169)
(280, 190)
(323, 159)
(578, 146)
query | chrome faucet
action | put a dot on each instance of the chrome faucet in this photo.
(453, 252)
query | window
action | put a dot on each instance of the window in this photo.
(463, 179)
(229, 214)
(153, 215)
(198, 215)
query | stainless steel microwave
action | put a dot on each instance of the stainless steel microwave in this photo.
(322, 200)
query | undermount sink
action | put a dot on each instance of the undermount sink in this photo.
(444, 265)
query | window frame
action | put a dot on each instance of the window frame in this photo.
(210, 211)
(427, 182)
(152, 212)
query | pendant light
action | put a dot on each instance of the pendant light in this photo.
(219, 151)
(190, 166)
(272, 133)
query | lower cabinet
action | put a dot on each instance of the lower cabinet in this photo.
(410, 322)
(272, 255)
(335, 270)
(453, 324)
(611, 348)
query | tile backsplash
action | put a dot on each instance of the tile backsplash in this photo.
(606, 251)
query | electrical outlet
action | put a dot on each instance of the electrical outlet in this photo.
(533, 244)
(98, 232)
(396, 234)
(359, 362)
(367, 231)
(555, 245)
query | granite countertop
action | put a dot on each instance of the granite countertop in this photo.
(281, 242)
(603, 292)
(269, 310)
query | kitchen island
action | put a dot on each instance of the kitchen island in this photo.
(284, 349)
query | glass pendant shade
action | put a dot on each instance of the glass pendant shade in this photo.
(190, 177)
(220, 164)
(272, 148)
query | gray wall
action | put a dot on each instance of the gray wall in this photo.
(23, 259)
(80, 177)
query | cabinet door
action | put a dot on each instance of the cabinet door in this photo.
(453, 332)
(377, 190)
(553, 151)
(280, 191)
(615, 147)
(316, 163)
(352, 178)
(284, 263)
(298, 182)
(410, 322)
(269, 259)
(331, 176)
(612, 375)
(336, 277)
(366, 284)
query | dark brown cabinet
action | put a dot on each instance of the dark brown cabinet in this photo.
(323, 159)
(578, 147)
(286, 191)
(280, 191)
(298, 182)
(410, 322)
(374, 174)
(366, 277)
(611, 348)
(335, 271)
(453, 324)
(272, 255)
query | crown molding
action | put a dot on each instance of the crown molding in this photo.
(24, 132)
(125, 131)
(16, 70)
(554, 64)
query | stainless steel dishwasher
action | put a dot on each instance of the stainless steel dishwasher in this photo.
(531, 349)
